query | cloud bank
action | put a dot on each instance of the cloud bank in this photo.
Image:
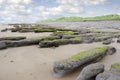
(29, 11)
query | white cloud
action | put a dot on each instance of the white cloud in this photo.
(27, 11)
(68, 7)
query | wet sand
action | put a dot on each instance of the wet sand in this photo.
(27, 34)
(34, 63)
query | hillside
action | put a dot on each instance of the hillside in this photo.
(78, 19)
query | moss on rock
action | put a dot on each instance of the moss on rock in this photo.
(116, 66)
(79, 60)
(12, 38)
(89, 53)
(66, 33)
(51, 41)
(43, 30)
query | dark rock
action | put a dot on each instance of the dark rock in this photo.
(103, 38)
(107, 75)
(4, 30)
(24, 42)
(118, 40)
(91, 71)
(106, 42)
(3, 45)
(48, 44)
(88, 40)
(26, 30)
(12, 38)
(111, 51)
(69, 36)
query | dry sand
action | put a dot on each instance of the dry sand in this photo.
(34, 63)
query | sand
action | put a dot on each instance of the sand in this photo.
(34, 63)
(27, 34)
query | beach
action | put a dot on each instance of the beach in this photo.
(34, 63)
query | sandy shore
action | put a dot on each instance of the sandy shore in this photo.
(28, 35)
(34, 63)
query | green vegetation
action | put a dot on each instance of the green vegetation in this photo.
(101, 38)
(77, 38)
(12, 38)
(58, 40)
(116, 66)
(44, 30)
(53, 42)
(89, 53)
(116, 35)
(65, 33)
(47, 28)
(78, 19)
(49, 38)
(96, 31)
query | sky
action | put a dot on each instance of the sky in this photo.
(31, 11)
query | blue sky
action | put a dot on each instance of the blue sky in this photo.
(30, 11)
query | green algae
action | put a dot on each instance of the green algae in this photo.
(89, 53)
(116, 66)
(66, 33)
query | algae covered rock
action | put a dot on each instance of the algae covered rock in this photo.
(54, 43)
(91, 71)
(115, 67)
(26, 30)
(111, 51)
(50, 38)
(57, 42)
(76, 61)
(12, 38)
(43, 30)
(65, 33)
(108, 41)
(24, 42)
(101, 38)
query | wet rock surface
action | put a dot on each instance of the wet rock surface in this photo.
(107, 75)
(111, 51)
(3, 45)
(106, 42)
(91, 71)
